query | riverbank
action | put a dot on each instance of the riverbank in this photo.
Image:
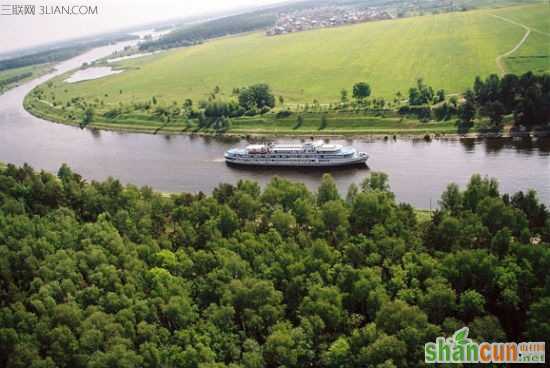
(12, 78)
(336, 124)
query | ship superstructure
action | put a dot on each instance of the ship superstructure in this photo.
(313, 154)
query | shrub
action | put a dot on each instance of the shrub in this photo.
(283, 114)
(422, 112)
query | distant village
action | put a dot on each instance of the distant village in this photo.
(324, 17)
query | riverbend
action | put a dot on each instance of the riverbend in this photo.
(419, 170)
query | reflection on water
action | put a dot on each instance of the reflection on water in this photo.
(132, 56)
(419, 171)
(94, 72)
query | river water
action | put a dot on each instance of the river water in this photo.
(419, 171)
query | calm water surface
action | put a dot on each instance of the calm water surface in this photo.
(94, 72)
(418, 170)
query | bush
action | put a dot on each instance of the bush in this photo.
(283, 114)
(251, 112)
(422, 112)
(237, 112)
(443, 112)
(111, 114)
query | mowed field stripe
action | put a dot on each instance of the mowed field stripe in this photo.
(500, 63)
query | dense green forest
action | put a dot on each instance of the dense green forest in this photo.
(14, 79)
(104, 275)
(189, 35)
(43, 57)
(62, 53)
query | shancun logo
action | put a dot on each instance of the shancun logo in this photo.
(461, 349)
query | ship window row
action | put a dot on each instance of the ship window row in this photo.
(293, 156)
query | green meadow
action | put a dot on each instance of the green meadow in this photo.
(446, 50)
(534, 54)
(36, 70)
(337, 123)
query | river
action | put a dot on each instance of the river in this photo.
(419, 171)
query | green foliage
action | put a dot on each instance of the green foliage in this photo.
(14, 79)
(63, 53)
(327, 190)
(256, 96)
(525, 96)
(100, 274)
(324, 122)
(421, 112)
(422, 94)
(376, 181)
(299, 122)
(192, 34)
(88, 116)
(361, 91)
(444, 111)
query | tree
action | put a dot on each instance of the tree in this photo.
(327, 190)
(382, 350)
(338, 354)
(287, 346)
(361, 91)
(369, 209)
(228, 222)
(256, 303)
(376, 181)
(326, 303)
(487, 328)
(538, 326)
(454, 101)
(472, 304)
(88, 116)
(467, 110)
(343, 96)
(283, 222)
(256, 96)
(335, 216)
(104, 274)
(440, 96)
(299, 122)
(324, 121)
(451, 199)
(495, 111)
(479, 188)
(188, 104)
(439, 301)
(421, 94)
(352, 193)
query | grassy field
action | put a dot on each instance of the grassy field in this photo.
(338, 123)
(447, 50)
(534, 54)
(36, 70)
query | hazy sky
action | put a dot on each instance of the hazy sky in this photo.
(18, 31)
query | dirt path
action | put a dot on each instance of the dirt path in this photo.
(499, 59)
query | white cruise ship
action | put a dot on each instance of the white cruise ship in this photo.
(312, 154)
